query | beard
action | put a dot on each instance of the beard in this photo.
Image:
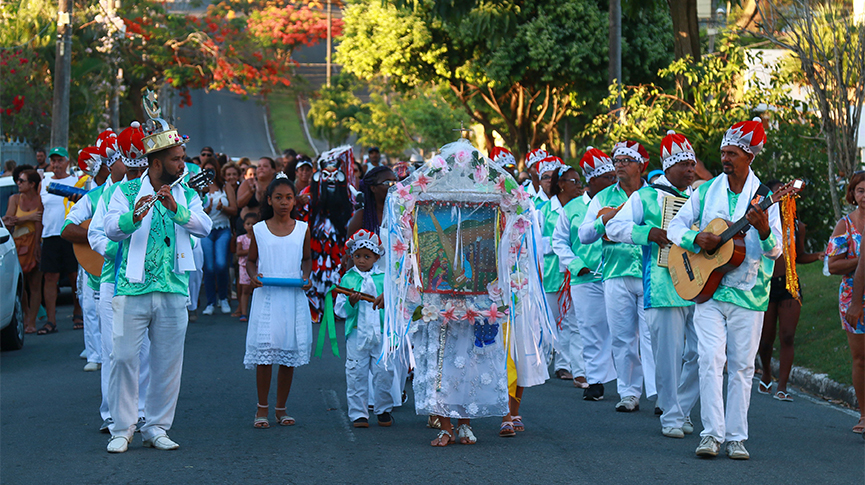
(167, 178)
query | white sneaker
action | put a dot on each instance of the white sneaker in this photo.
(671, 432)
(688, 427)
(224, 306)
(736, 450)
(161, 442)
(709, 446)
(628, 404)
(118, 444)
(208, 310)
(83, 354)
(92, 367)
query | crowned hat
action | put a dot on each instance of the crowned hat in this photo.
(632, 149)
(106, 143)
(364, 239)
(159, 134)
(549, 164)
(502, 156)
(595, 163)
(335, 165)
(675, 148)
(535, 156)
(90, 160)
(130, 144)
(747, 135)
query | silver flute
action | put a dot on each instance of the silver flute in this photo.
(147, 205)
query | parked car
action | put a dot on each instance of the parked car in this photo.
(11, 291)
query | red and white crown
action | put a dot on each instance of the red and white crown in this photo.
(747, 135)
(131, 146)
(502, 156)
(364, 239)
(675, 148)
(106, 143)
(632, 149)
(549, 164)
(595, 162)
(535, 156)
(90, 160)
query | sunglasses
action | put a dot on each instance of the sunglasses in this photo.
(206, 154)
(575, 181)
(387, 183)
(22, 181)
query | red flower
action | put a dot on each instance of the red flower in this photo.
(24, 61)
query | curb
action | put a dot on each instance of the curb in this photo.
(819, 384)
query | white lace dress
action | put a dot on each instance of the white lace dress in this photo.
(280, 325)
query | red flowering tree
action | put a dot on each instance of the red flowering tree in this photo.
(278, 30)
(25, 100)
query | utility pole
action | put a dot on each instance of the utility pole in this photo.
(615, 66)
(61, 74)
(329, 40)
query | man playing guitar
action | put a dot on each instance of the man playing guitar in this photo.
(728, 325)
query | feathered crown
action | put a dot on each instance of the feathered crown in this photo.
(90, 160)
(675, 148)
(595, 162)
(747, 135)
(130, 143)
(535, 156)
(106, 143)
(159, 134)
(364, 239)
(632, 149)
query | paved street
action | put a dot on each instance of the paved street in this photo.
(49, 415)
(225, 121)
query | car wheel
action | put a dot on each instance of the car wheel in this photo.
(12, 337)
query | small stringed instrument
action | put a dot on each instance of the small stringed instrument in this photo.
(89, 259)
(696, 276)
(606, 210)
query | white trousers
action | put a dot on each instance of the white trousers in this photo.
(92, 335)
(358, 365)
(195, 277)
(164, 316)
(726, 333)
(632, 343)
(561, 359)
(674, 345)
(570, 341)
(591, 315)
(106, 324)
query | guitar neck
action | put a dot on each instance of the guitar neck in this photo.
(743, 223)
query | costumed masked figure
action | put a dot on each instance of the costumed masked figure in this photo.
(481, 322)
(331, 203)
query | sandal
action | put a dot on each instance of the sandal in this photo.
(464, 433)
(507, 429)
(244, 318)
(518, 423)
(860, 426)
(783, 396)
(762, 385)
(261, 422)
(47, 328)
(77, 322)
(441, 435)
(285, 420)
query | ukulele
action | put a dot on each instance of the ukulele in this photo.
(696, 276)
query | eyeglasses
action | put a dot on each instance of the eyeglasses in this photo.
(387, 183)
(546, 177)
(574, 181)
(206, 154)
(22, 181)
(625, 161)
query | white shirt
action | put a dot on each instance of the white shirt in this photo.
(54, 212)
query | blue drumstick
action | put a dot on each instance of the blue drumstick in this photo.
(289, 282)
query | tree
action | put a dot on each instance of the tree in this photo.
(686, 29)
(830, 47)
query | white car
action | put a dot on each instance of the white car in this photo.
(11, 290)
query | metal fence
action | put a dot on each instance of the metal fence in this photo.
(17, 150)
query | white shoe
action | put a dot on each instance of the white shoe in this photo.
(92, 367)
(736, 450)
(208, 310)
(83, 354)
(161, 442)
(709, 446)
(628, 404)
(671, 432)
(224, 306)
(688, 427)
(118, 444)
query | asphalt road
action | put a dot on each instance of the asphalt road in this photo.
(227, 122)
(49, 420)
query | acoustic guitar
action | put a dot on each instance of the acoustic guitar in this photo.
(89, 259)
(696, 276)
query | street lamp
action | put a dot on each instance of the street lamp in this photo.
(719, 19)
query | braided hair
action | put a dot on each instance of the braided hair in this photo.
(370, 209)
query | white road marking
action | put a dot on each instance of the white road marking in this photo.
(219, 108)
(332, 402)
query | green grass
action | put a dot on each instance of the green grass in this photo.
(821, 342)
(286, 123)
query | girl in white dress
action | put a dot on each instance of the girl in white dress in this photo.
(280, 325)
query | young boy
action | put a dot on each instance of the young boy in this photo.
(363, 333)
